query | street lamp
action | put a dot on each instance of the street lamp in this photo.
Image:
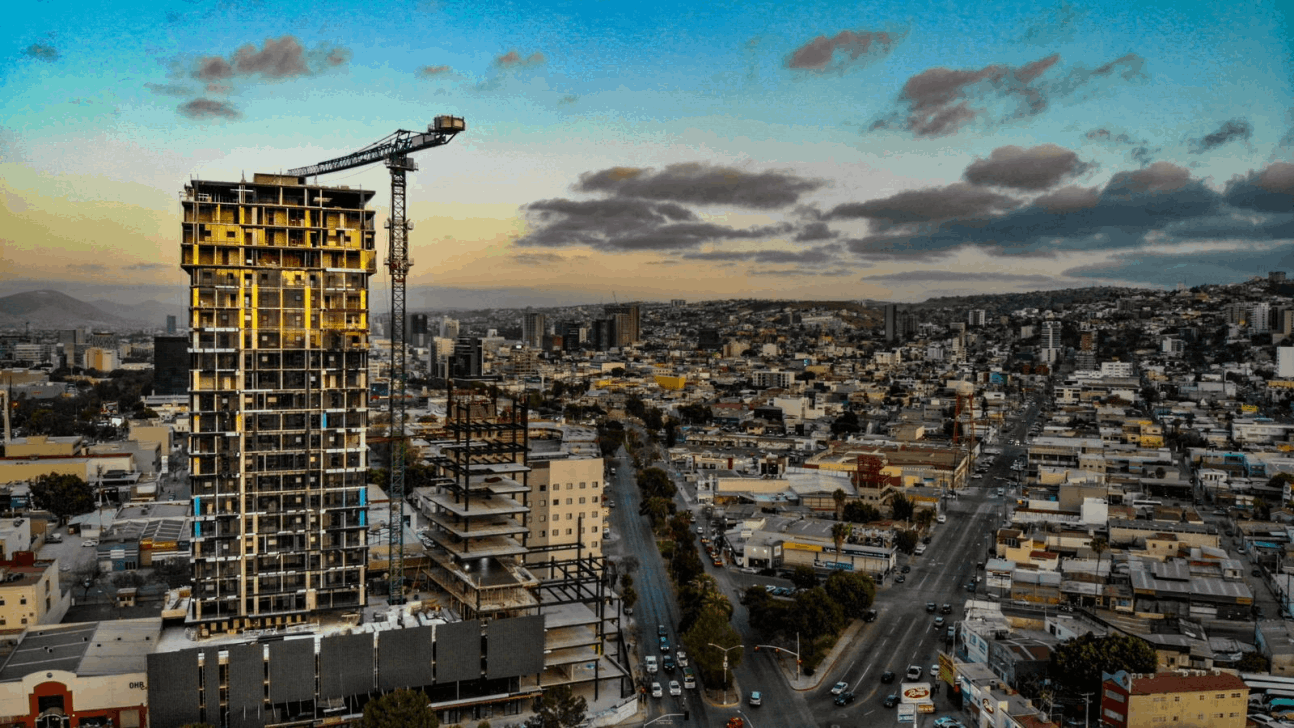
(725, 664)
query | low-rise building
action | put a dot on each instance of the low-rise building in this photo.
(1211, 699)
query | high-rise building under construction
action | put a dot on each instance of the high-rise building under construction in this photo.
(278, 275)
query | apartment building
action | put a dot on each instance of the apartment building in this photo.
(30, 593)
(1211, 699)
(568, 509)
(278, 314)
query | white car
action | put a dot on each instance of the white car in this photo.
(914, 672)
(675, 689)
(681, 658)
(655, 690)
(89, 542)
(839, 688)
(652, 666)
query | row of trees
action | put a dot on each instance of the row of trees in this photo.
(816, 615)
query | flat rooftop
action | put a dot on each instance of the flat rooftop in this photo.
(88, 648)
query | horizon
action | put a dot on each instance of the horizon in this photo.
(674, 152)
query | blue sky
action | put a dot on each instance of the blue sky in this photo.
(881, 150)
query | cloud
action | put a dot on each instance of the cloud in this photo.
(89, 267)
(1229, 131)
(567, 100)
(1038, 168)
(42, 52)
(538, 258)
(1053, 25)
(434, 71)
(1268, 190)
(1158, 177)
(958, 200)
(145, 266)
(219, 88)
(168, 89)
(1143, 155)
(819, 255)
(701, 184)
(835, 53)
(276, 59)
(799, 272)
(1068, 199)
(959, 276)
(209, 109)
(938, 101)
(513, 59)
(1193, 267)
(815, 231)
(618, 225)
(1105, 135)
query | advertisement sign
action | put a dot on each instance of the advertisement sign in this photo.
(907, 714)
(915, 692)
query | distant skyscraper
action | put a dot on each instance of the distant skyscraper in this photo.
(170, 326)
(448, 328)
(630, 332)
(418, 329)
(976, 317)
(279, 275)
(170, 365)
(1285, 362)
(532, 328)
(1051, 334)
(1260, 317)
(468, 358)
(891, 321)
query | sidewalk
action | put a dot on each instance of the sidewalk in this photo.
(810, 682)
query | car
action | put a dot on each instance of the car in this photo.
(681, 658)
(939, 621)
(926, 540)
(667, 664)
(656, 692)
(891, 700)
(660, 630)
(652, 665)
(871, 615)
(946, 609)
(717, 562)
(756, 699)
(914, 673)
(930, 607)
(941, 518)
(675, 689)
(845, 698)
(970, 586)
(948, 722)
(839, 688)
(700, 530)
(1255, 572)
(900, 579)
(888, 676)
(770, 588)
(1219, 512)
(906, 568)
(934, 672)
(664, 645)
(89, 542)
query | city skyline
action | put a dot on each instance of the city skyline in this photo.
(893, 154)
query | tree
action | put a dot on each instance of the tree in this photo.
(629, 596)
(655, 483)
(1253, 662)
(924, 517)
(901, 507)
(63, 495)
(855, 593)
(804, 577)
(815, 614)
(1078, 663)
(839, 497)
(1099, 545)
(713, 628)
(1160, 472)
(840, 532)
(1262, 510)
(859, 512)
(906, 541)
(399, 709)
(845, 424)
(560, 708)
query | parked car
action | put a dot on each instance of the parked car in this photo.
(871, 615)
(900, 579)
(906, 568)
(948, 722)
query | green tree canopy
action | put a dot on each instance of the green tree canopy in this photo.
(859, 512)
(804, 577)
(845, 424)
(1078, 663)
(399, 709)
(63, 495)
(906, 541)
(559, 707)
(901, 507)
(655, 483)
(816, 614)
(855, 593)
(713, 627)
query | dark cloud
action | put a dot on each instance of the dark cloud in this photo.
(619, 224)
(513, 59)
(1036, 169)
(1229, 131)
(1158, 177)
(799, 272)
(939, 101)
(957, 200)
(1105, 135)
(1143, 155)
(958, 276)
(145, 266)
(1068, 199)
(208, 109)
(169, 89)
(42, 52)
(219, 88)
(835, 53)
(276, 59)
(433, 71)
(538, 258)
(1168, 268)
(1268, 190)
(89, 267)
(819, 255)
(701, 184)
(815, 231)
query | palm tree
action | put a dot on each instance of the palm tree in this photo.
(1099, 545)
(840, 532)
(839, 498)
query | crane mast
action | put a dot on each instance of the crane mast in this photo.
(394, 150)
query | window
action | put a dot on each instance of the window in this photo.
(595, 544)
(543, 519)
(581, 500)
(543, 534)
(1235, 695)
(542, 502)
(1112, 695)
(1219, 696)
(22, 600)
(569, 516)
(595, 499)
(568, 501)
(581, 486)
(568, 532)
(543, 488)
(24, 620)
(595, 485)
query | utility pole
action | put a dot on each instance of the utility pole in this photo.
(725, 664)
(1087, 709)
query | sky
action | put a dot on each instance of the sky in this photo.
(651, 151)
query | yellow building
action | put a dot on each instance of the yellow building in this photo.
(672, 383)
(1198, 698)
(566, 495)
(30, 595)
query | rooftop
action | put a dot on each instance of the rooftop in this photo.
(88, 648)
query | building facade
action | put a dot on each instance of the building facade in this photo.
(279, 348)
(1211, 699)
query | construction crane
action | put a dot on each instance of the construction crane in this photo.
(394, 151)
